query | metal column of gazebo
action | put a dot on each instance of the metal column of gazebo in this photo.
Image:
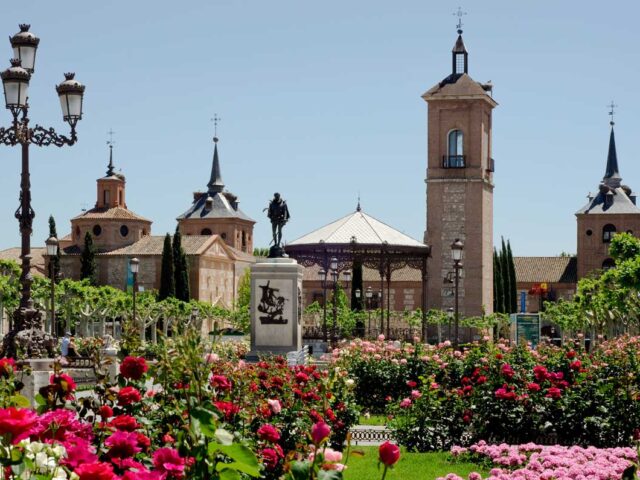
(358, 237)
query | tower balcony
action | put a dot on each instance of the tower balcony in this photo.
(454, 161)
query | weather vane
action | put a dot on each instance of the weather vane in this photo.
(612, 112)
(459, 14)
(216, 119)
(111, 142)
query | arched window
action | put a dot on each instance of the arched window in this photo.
(608, 231)
(455, 150)
(206, 231)
(608, 263)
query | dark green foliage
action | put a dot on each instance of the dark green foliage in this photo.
(167, 279)
(180, 269)
(55, 261)
(88, 267)
(514, 280)
(356, 303)
(506, 278)
(261, 252)
(499, 286)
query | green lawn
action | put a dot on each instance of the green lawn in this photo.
(373, 420)
(411, 466)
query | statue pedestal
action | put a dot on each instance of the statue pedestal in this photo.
(276, 307)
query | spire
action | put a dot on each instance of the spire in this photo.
(612, 176)
(459, 52)
(358, 208)
(215, 182)
(111, 143)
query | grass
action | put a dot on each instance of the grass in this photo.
(411, 466)
(373, 420)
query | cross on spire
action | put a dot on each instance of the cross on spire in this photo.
(459, 14)
(612, 112)
(111, 142)
(216, 119)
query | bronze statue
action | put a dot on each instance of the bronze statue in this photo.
(278, 213)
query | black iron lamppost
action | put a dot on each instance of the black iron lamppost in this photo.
(27, 332)
(323, 282)
(134, 264)
(52, 251)
(456, 254)
(368, 294)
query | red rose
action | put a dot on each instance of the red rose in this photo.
(571, 354)
(554, 392)
(575, 365)
(540, 372)
(411, 384)
(122, 445)
(269, 433)
(228, 409)
(533, 387)
(128, 395)
(143, 441)
(168, 462)
(388, 453)
(125, 423)
(320, 432)
(64, 382)
(95, 471)
(105, 412)
(481, 379)
(507, 371)
(220, 382)
(17, 422)
(302, 377)
(269, 458)
(7, 366)
(133, 368)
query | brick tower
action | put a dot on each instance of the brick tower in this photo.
(460, 187)
(612, 210)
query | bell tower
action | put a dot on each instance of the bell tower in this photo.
(460, 187)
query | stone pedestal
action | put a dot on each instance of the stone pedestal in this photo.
(276, 307)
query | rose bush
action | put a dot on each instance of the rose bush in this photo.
(438, 397)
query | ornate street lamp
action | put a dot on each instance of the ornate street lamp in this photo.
(27, 333)
(134, 264)
(456, 254)
(52, 251)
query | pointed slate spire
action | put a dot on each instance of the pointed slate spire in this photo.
(215, 182)
(110, 167)
(460, 56)
(612, 176)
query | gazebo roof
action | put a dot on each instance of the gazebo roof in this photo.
(357, 227)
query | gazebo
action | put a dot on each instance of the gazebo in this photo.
(360, 238)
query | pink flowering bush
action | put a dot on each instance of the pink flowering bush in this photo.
(536, 462)
(438, 397)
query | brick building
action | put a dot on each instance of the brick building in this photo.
(460, 186)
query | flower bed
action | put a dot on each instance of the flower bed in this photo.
(437, 397)
(537, 462)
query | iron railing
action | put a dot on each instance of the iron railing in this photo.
(454, 161)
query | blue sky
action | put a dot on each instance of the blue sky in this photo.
(320, 101)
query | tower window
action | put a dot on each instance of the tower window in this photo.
(608, 264)
(97, 230)
(589, 232)
(608, 231)
(124, 230)
(106, 198)
(455, 150)
(459, 63)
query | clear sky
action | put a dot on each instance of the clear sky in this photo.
(320, 101)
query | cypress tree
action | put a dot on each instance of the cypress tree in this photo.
(167, 280)
(55, 261)
(506, 278)
(514, 280)
(497, 278)
(356, 303)
(88, 267)
(180, 268)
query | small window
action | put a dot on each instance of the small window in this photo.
(224, 236)
(97, 230)
(459, 62)
(124, 230)
(608, 231)
(206, 231)
(456, 139)
(608, 264)
(106, 198)
(589, 232)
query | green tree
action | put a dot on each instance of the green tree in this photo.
(499, 285)
(180, 269)
(241, 318)
(261, 252)
(506, 277)
(167, 278)
(88, 267)
(55, 261)
(514, 280)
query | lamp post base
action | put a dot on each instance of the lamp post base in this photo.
(27, 337)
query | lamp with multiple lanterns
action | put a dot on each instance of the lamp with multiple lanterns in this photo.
(27, 332)
(456, 255)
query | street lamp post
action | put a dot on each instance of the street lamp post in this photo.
(334, 279)
(456, 254)
(52, 251)
(323, 282)
(27, 332)
(135, 266)
(369, 295)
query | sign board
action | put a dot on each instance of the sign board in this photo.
(525, 327)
